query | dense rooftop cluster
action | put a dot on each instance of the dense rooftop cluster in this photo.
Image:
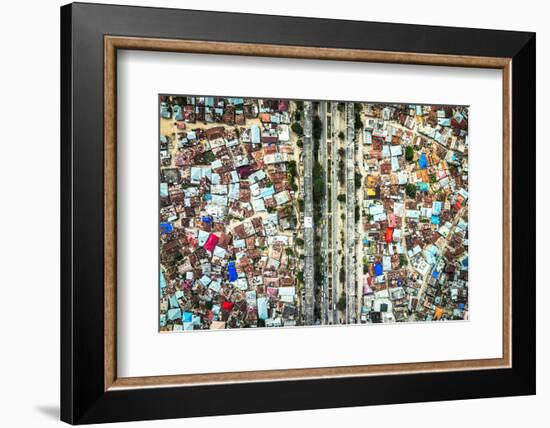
(415, 222)
(228, 214)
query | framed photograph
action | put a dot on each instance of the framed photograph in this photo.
(266, 213)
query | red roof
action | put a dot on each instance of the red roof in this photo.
(211, 242)
(458, 204)
(227, 306)
(389, 234)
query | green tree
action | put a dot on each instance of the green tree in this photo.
(358, 121)
(409, 153)
(342, 274)
(318, 182)
(341, 305)
(292, 169)
(317, 127)
(341, 197)
(299, 242)
(341, 135)
(297, 128)
(410, 190)
(358, 180)
(317, 170)
(318, 188)
(341, 174)
(208, 157)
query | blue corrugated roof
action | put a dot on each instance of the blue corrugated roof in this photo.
(166, 228)
(422, 161)
(232, 271)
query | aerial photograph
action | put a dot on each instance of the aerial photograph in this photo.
(281, 213)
